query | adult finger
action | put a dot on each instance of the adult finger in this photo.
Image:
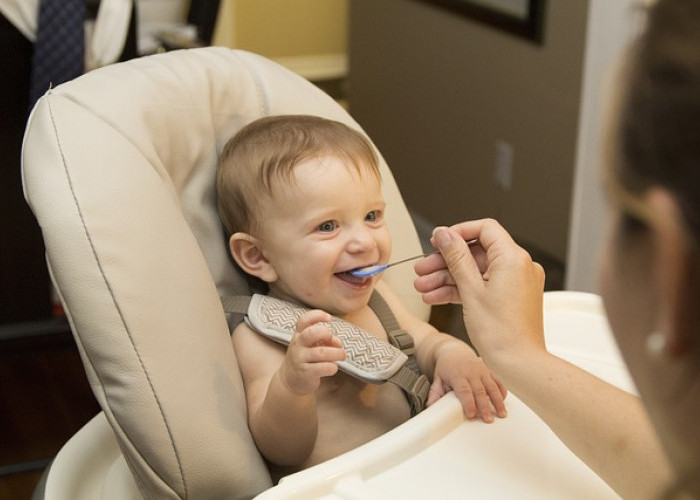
(458, 258)
(437, 288)
(430, 264)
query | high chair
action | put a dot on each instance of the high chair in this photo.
(118, 167)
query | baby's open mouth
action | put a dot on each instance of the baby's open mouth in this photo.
(348, 277)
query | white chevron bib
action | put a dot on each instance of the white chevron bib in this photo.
(367, 357)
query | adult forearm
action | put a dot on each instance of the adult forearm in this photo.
(604, 426)
(285, 425)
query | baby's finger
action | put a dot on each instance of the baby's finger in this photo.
(483, 404)
(501, 388)
(436, 391)
(311, 318)
(466, 397)
(320, 345)
(314, 335)
(325, 354)
(325, 369)
(335, 342)
(497, 394)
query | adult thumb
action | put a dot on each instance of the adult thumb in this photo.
(456, 254)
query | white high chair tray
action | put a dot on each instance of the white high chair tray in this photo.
(437, 454)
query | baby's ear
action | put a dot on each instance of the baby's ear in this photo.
(248, 254)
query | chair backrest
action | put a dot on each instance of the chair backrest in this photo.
(118, 167)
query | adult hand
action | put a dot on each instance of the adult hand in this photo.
(497, 283)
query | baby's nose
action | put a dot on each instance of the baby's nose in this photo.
(361, 240)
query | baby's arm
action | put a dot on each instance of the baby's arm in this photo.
(280, 386)
(451, 365)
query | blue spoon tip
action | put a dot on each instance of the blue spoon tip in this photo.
(366, 272)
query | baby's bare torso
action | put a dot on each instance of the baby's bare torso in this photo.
(350, 412)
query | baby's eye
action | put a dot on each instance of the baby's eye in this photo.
(372, 216)
(327, 227)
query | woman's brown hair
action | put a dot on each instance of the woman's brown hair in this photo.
(659, 120)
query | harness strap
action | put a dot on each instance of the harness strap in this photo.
(415, 387)
(236, 304)
(368, 358)
(409, 378)
(398, 337)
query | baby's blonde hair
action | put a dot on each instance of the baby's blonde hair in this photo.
(263, 154)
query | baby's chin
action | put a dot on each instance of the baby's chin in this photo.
(342, 305)
(348, 295)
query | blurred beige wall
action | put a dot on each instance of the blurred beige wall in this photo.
(437, 91)
(275, 28)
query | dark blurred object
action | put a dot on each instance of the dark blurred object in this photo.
(24, 280)
(92, 6)
(197, 32)
(44, 394)
(203, 15)
(130, 50)
(44, 399)
(59, 47)
(25, 290)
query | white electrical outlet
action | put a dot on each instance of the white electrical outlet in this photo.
(503, 165)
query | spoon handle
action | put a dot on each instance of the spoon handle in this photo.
(365, 272)
(469, 242)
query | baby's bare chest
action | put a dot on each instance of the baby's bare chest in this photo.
(343, 397)
(351, 413)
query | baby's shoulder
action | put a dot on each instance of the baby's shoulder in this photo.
(245, 339)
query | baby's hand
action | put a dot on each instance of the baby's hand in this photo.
(311, 355)
(459, 369)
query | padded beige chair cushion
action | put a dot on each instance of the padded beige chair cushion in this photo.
(118, 167)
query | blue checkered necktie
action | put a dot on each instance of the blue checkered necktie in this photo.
(59, 49)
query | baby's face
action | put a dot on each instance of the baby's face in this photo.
(329, 221)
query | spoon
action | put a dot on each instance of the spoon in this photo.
(366, 272)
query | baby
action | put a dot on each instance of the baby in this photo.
(301, 197)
